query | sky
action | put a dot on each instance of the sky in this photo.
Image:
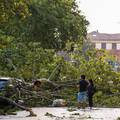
(103, 15)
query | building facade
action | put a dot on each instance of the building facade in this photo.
(105, 41)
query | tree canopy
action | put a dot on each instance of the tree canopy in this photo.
(10, 8)
(50, 23)
(54, 22)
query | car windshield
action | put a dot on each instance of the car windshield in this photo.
(3, 83)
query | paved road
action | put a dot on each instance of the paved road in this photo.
(45, 113)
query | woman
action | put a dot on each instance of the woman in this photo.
(91, 91)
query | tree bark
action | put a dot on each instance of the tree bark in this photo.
(11, 102)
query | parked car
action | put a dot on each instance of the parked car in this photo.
(4, 81)
(8, 81)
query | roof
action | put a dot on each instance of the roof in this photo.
(9, 78)
(5, 78)
(104, 36)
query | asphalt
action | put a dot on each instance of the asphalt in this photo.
(58, 113)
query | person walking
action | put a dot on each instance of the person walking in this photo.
(82, 94)
(91, 91)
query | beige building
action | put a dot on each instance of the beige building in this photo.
(109, 42)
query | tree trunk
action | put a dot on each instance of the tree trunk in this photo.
(11, 102)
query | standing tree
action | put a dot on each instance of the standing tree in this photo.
(54, 22)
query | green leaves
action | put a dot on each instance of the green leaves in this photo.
(9, 8)
(53, 23)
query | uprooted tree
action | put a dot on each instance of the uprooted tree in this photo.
(60, 82)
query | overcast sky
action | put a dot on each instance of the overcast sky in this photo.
(103, 15)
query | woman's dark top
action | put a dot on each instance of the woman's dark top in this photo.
(91, 89)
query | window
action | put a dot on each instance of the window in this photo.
(103, 45)
(114, 46)
(3, 83)
(98, 45)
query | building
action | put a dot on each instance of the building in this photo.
(106, 41)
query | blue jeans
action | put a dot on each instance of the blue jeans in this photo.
(82, 96)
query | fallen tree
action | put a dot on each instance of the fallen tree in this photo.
(7, 101)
